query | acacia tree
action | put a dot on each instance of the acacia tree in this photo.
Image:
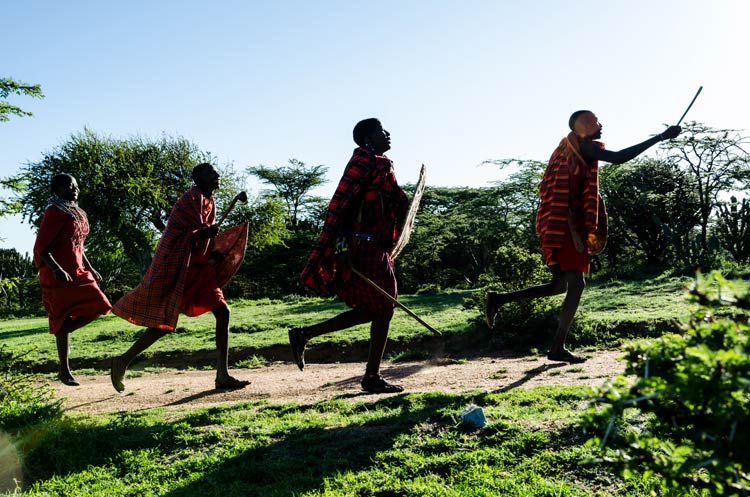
(9, 87)
(293, 184)
(718, 161)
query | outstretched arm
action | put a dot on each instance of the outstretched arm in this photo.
(590, 151)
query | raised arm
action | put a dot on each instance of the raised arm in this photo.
(590, 151)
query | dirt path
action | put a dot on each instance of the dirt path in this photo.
(283, 382)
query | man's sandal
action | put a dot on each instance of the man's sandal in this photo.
(566, 356)
(376, 384)
(230, 383)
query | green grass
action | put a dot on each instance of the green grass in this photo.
(610, 311)
(405, 445)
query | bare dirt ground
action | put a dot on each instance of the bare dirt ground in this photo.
(283, 382)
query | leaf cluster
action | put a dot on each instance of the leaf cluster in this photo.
(682, 410)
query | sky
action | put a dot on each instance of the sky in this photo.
(454, 82)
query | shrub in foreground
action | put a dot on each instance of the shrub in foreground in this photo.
(681, 412)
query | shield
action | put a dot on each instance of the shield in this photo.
(411, 216)
(232, 244)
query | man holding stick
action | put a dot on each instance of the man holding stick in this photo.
(362, 225)
(182, 278)
(571, 220)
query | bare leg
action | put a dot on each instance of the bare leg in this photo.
(372, 381)
(223, 379)
(558, 285)
(378, 339)
(576, 284)
(345, 320)
(120, 363)
(62, 339)
(298, 337)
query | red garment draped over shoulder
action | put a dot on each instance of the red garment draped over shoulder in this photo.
(569, 196)
(62, 234)
(180, 278)
(367, 209)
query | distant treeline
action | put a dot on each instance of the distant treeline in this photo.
(684, 209)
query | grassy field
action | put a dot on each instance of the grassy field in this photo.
(609, 311)
(400, 446)
(412, 444)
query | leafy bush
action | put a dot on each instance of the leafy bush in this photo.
(22, 402)
(682, 410)
(514, 268)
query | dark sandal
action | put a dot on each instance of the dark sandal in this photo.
(377, 384)
(566, 356)
(297, 341)
(69, 381)
(230, 383)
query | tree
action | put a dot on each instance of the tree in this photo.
(647, 200)
(733, 228)
(718, 161)
(9, 86)
(293, 184)
(128, 187)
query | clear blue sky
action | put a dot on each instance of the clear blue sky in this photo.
(455, 82)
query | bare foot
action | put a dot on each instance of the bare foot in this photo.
(117, 374)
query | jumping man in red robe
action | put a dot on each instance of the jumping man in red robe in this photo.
(70, 293)
(571, 220)
(182, 278)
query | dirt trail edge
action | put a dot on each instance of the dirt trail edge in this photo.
(283, 382)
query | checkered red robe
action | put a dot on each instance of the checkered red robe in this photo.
(156, 301)
(569, 193)
(367, 200)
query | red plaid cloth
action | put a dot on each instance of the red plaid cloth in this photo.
(157, 301)
(63, 235)
(569, 193)
(367, 201)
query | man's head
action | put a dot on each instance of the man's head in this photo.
(206, 177)
(65, 186)
(585, 124)
(369, 133)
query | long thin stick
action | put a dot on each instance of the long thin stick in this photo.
(399, 304)
(691, 104)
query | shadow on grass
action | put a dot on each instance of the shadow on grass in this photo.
(288, 457)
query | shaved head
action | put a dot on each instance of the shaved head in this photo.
(585, 124)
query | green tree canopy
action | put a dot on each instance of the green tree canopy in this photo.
(9, 87)
(128, 187)
(293, 184)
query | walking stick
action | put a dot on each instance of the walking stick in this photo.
(691, 104)
(242, 197)
(398, 304)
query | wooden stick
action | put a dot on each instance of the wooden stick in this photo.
(398, 304)
(242, 196)
(691, 104)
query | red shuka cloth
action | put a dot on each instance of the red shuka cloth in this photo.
(63, 236)
(367, 201)
(569, 195)
(179, 279)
